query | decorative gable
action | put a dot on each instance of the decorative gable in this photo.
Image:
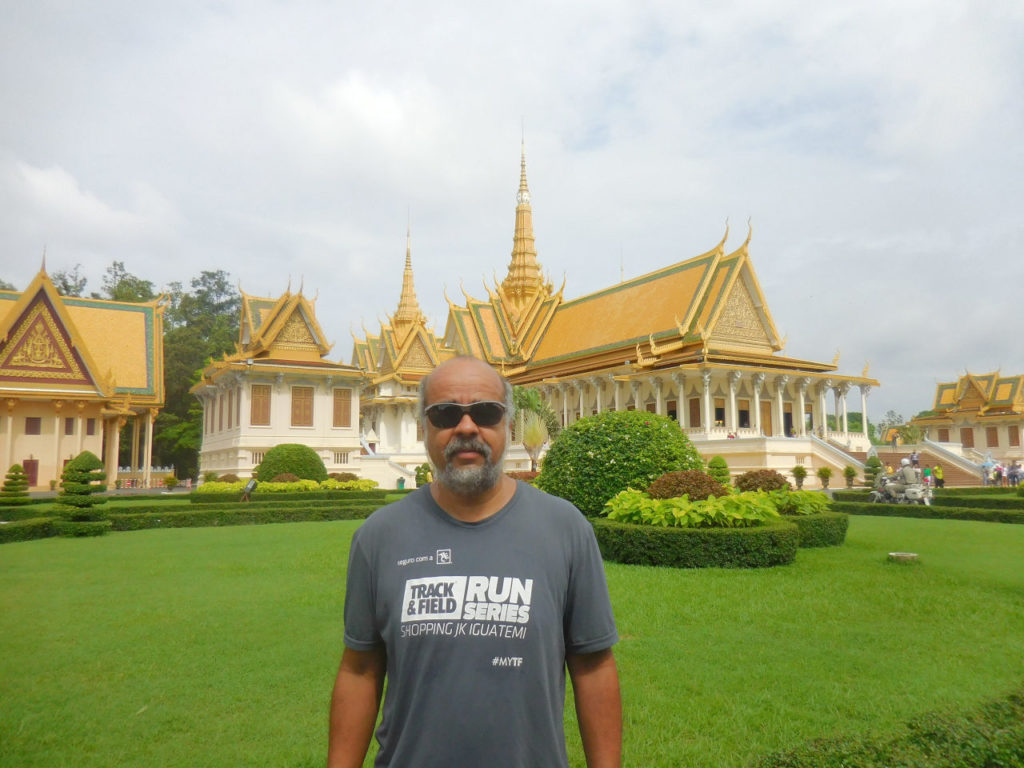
(296, 333)
(39, 349)
(740, 323)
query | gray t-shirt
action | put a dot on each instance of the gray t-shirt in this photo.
(476, 619)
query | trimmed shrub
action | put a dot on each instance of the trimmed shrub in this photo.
(170, 482)
(932, 512)
(773, 543)
(799, 473)
(424, 474)
(524, 475)
(26, 530)
(872, 466)
(596, 457)
(82, 476)
(824, 474)
(286, 477)
(229, 477)
(825, 529)
(719, 470)
(15, 487)
(78, 528)
(343, 477)
(761, 480)
(733, 510)
(692, 483)
(299, 460)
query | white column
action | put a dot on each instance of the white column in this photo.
(79, 427)
(732, 415)
(682, 407)
(780, 413)
(580, 384)
(617, 390)
(563, 394)
(835, 400)
(9, 434)
(844, 388)
(823, 404)
(659, 399)
(758, 382)
(634, 389)
(801, 393)
(58, 406)
(147, 449)
(708, 414)
(597, 384)
(865, 390)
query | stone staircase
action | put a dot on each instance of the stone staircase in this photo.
(953, 475)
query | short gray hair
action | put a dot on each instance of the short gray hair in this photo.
(507, 401)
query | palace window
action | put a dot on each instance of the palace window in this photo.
(257, 457)
(33, 425)
(670, 407)
(1013, 433)
(719, 412)
(90, 427)
(652, 407)
(743, 407)
(943, 434)
(69, 425)
(259, 414)
(341, 457)
(302, 406)
(992, 437)
(967, 436)
(695, 412)
(343, 408)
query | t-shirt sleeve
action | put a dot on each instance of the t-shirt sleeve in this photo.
(589, 621)
(361, 632)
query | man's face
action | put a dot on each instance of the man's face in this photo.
(467, 457)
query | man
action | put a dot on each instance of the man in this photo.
(905, 475)
(471, 596)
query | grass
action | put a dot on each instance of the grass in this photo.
(218, 647)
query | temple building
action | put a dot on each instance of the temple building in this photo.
(403, 352)
(694, 341)
(979, 416)
(73, 372)
(278, 387)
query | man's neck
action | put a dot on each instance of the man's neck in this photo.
(473, 509)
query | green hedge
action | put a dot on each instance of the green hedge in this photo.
(988, 736)
(79, 528)
(26, 530)
(987, 501)
(933, 512)
(774, 543)
(244, 515)
(825, 529)
(232, 498)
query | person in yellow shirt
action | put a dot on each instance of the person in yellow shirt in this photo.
(937, 475)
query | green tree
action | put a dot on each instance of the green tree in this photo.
(69, 282)
(294, 459)
(200, 324)
(5, 286)
(121, 285)
(81, 478)
(528, 400)
(718, 468)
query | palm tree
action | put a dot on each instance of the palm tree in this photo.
(535, 434)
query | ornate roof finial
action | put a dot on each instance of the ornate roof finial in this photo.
(43, 267)
(408, 313)
(524, 280)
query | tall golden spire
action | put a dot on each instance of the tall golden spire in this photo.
(524, 279)
(408, 313)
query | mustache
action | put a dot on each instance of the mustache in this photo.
(467, 444)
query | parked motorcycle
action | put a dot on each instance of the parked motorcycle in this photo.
(888, 491)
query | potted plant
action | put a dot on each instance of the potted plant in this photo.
(799, 472)
(824, 474)
(850, 474)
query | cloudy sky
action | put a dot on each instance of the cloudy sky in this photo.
(877, 148)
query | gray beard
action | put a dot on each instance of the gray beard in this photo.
(473, 480)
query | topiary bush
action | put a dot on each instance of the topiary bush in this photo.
(692, 483)
(343, 476)
(286, 477)
(719, 470)
(596, 457)
(761, 480)
(230, 477)
(81, 478)
(872, 467)
(299, 460)
(15, 488)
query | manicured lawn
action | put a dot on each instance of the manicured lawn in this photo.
(218, 647)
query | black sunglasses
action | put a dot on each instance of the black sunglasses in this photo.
(484, 413)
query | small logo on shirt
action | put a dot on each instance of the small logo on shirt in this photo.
(444, 557)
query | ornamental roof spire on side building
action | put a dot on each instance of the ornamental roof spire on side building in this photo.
(409, 312)
(524, 279)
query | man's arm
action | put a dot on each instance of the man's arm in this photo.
(595, 686)
(354, 706)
